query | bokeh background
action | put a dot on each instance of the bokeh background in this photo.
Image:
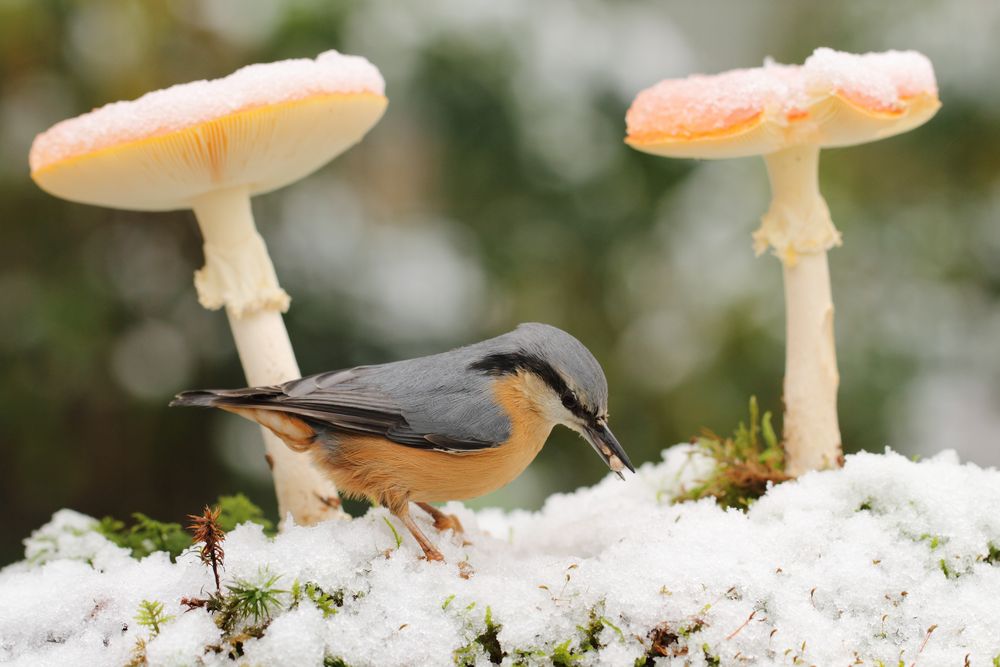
(496, 190)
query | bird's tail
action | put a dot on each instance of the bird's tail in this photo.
(218, 398)
(257, 404)
(200, 398)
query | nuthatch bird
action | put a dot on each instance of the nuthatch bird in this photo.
(448, 426)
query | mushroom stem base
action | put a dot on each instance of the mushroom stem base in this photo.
(811, 428)
(799, 229)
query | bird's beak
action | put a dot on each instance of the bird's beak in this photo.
(607, 447)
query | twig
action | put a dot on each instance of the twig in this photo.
(927, 638)
(745, 624)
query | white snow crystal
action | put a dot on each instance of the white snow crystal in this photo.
(295, 638)
(184, 641)
(883, 560)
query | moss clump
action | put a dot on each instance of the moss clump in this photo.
(248, 600)
(947, 571)
(145, 536)
(237, 509)
(563, 656)
(595, 626)
(745, 464)
(327, 603)
(488, 641)
(711, 659)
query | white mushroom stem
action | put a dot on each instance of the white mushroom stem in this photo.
(799, 229)
(239, 275)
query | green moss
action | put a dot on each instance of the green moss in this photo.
(562, 656)
(488, 641)
(695, 626)
(591, 632)
(933, 540)
(247, 600)
(745, 464)
(710, 659)
(151, 616)
(237, 509)
(992, 556)
(145, 536)
(948, 572)
(326, 602)
(525, 656)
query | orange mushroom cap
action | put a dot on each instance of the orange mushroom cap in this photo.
(259, 128)
(833, 99)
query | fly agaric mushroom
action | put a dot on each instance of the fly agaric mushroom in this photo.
(209, 146)
(786, 113)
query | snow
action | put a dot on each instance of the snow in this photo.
(884, 560)
(187, 104)
(703, 104)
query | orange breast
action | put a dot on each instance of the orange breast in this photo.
(393, 474)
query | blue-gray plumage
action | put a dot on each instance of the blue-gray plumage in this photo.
(447, 426)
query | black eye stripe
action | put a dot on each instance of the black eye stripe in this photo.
(510, 363)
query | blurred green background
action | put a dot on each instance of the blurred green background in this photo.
(496, 190)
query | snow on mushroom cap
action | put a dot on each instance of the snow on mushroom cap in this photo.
(713, 104)
(879, 81)
(717, 105)
(187, 104)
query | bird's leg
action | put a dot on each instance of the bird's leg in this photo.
(442, 521)
(430, 551)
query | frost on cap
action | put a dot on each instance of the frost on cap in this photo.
(879, 81)
(723, 105)
(257, 130)
(188, 104)
(701, 105)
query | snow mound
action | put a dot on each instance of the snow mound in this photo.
(187, 104)
(885, 560)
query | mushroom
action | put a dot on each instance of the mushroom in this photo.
(209, 146)
(786, 113)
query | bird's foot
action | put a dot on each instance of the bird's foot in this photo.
(431, 554)
(430, 551)
(448, 522)
(443, 521)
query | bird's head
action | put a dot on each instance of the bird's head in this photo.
(565, 382)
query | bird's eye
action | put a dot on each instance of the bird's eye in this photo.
(569, 400)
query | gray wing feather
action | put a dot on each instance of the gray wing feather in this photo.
(429, 403)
